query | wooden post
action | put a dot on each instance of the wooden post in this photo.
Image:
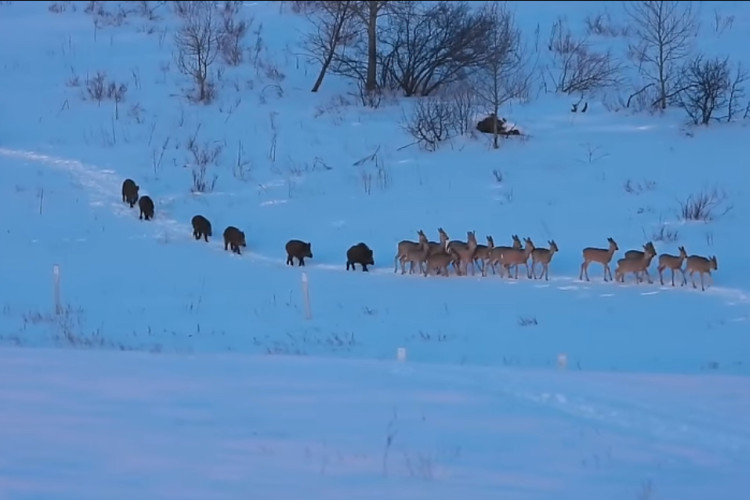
(56, 288)
(306, 296)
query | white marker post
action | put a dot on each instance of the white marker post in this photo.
(306, 296)
(401, 354)
(56, 288)
(562, 361)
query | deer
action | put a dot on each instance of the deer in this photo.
(494, 254)
(601, 255)
(543, 256)
(439, 262)
(635, 266)
(638, 254)
(418, 255)
(442, 245)
(515, 257)
(482, 254)
(465, 253)
(405, 246)
(701, 265)
(672, 262)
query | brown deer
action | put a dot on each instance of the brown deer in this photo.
(638, 254)
(672, 262)
(494, 254)
(701, 265)
(601, 255)
(543, 256)
(439, 262)
(634, 266)
(516, 257)
(405, 246)
(465, 253)
(418, 256)
(442, 245)
(482, 254)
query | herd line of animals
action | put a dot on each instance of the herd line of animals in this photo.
(437, 257)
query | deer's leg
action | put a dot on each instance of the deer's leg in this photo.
(661, 278)
(703, 289)
(692, 278)
(684, 278)
(648, 277)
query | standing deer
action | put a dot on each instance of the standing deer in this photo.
(406, 246)
(672, 262)
(465, 253)
(442, 245)
(440, 261)
(543, 256)
(638, 254)
(495, 252)
(701, 265)
(516, 257)
(482, 254)
(635, 266)
(601, 255)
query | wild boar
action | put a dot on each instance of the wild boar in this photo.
(130, 192)
(201, 227)
(146, 204)
(235, 239)
(298, 249)
(359, 254)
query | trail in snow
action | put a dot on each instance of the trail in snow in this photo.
(104, 187)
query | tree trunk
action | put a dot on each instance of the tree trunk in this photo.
(495, 127)
(323, 70)
(372, 46)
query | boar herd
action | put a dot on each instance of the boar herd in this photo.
(438, 257)
(234, 238)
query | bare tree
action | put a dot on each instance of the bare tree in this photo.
(332, 20)
(576, 67)
(706, 85)
(505, 74)
(426, 47)
(665, 31)
(198, 42)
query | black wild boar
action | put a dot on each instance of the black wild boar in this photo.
(235, 239)
(299, 249)
(359, 254)
(130, 192)
(201, 227)
(146, 204)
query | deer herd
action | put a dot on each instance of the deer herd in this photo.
(437, 257)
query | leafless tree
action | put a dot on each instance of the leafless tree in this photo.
(197, 43)
(431, 122)
(505, 74)
(576, 67)
(426, 47)
(664, 32)
(233, 31)
(332, 21)
(706, 85)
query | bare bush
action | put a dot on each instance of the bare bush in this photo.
(197, 42)
(333, 22)
(505, 73)
(203, 156)
(602, 25)
(708, 88)
(148, 9)
(59, 7)
(665, 234)
(576, 67)
(117, 93)
(432, 121)
(664, 32)
(96, 86)
(233, 32)
(431, 46)
(463, 99)
(704, 206)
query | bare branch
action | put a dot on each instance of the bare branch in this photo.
(197, 42)
(665, 32)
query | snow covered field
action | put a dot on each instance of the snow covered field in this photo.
(651, 403)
